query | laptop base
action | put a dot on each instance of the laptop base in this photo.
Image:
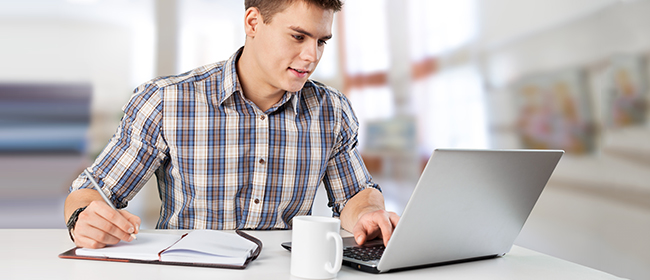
(373, 269)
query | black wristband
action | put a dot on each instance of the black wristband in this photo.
(73, 221)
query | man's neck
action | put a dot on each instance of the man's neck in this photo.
(255, 89)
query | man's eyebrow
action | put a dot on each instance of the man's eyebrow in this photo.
(304, 32)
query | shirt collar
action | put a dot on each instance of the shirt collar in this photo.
(229, 79)
(288, 99)
(231, 85)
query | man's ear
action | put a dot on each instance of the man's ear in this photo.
(252, 19)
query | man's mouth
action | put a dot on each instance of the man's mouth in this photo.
(299, 71)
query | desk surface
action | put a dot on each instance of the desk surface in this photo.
(33, 254)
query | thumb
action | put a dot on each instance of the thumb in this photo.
(359, 237)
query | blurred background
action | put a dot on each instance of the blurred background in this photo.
(421, 74)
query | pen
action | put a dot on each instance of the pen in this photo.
(101, 192)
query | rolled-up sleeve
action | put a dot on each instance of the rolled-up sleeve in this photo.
(135, 151)
(346, 173)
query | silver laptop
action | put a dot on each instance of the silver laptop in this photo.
(468, 205)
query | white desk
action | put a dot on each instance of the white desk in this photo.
(33, 254)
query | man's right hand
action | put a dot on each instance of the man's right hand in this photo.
(99, 225)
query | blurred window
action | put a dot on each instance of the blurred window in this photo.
(367, 61)
(210, 31)
(449, 101)
(440, 26)
(450, 107)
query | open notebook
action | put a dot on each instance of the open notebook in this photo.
(209, 248)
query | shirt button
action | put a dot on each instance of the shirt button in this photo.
(262, 161)
(262, 117)
(257, 201)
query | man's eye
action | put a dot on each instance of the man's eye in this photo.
(298, 37)
(322, 42)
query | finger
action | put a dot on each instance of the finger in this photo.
(133, 219)
(372, 230)
(359, 233)
(106, 219)
(97, 228)
(116, 218)
(85, 242)
(100, 236)
(90, 237)
(385, 227)
(394, 219)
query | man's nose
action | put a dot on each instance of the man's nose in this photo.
(310, 51)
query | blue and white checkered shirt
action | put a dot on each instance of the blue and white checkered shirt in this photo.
(221, 162)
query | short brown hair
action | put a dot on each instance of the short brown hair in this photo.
(268, 8)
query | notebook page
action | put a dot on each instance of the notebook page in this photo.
(190, 256)
(146, 247)
(210, 246)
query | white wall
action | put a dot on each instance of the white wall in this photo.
(108, 44)
(504, 21)
(584, 41)
(51, 50)
(595, 208)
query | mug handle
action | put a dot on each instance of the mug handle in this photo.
(338, 260)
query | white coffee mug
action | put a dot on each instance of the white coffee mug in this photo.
(316, 247)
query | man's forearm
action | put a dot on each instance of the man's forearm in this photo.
(365, 201)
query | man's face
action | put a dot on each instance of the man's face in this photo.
(291, 45)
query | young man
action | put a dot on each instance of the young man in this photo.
(243, 143)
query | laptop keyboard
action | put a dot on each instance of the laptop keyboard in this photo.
(364, 253)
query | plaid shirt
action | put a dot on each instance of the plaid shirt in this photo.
(222, 163)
